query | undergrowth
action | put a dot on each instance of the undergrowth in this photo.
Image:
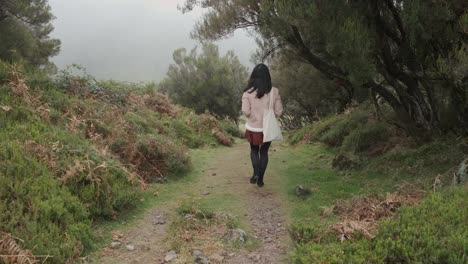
(74, 150)
(406, 238)
(374, 227)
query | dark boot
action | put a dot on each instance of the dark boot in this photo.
(254, 179)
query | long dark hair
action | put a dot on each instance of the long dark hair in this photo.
(259, 81)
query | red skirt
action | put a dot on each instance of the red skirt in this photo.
(256, 138)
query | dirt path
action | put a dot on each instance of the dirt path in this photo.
(223, 182)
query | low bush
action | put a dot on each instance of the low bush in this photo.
(363, 138)
(407, 238)
(231, 128)
(299, 135)
(37, 209)
(337, 132)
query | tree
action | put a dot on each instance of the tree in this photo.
(402, 50)
(206, 81)
(307, 95)
(25, 26)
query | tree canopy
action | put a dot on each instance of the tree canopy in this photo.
(25, 26)
(206, 81)
(411, 53)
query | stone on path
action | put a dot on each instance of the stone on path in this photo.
(236, 235)
(199, 257)
(217, 258)
(130, 247)
(115, 245)
(159, 220)
(303, 192)
(170, 256)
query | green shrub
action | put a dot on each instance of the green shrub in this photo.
(35, 208)
(231, 128)
(426, 161)
(316, 253)
(432, 232)
(297, 136)
(153, 156)
(363, 138)
(174, 156)
(140, 124)
(101, 185)
(186, 134)
(336, 133)
(313, 131)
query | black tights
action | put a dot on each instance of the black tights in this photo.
(259, 157)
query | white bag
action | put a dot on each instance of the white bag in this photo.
(271, 128)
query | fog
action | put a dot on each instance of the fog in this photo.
(130, 40)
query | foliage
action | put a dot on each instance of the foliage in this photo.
(341, 129)
(365, 137)
(406, 238)
(306, 93)
(74, 150)
(232, 128)
(27, 22)
(206, 82)
(36, 208)
(410, 53)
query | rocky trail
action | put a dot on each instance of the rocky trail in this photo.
(223, 181)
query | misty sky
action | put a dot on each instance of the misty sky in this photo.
(129, 40)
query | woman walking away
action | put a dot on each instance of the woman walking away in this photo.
(255, 101)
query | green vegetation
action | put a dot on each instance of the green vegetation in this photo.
(388, 163)
(206, 82)
(35, 207)
(27, 22)
(377, 91)
(412, 55)
(407, 238)
(74, 150)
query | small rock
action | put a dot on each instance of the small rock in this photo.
(231, 255)
(206, 193)
(130, 247)
(199, 257)
(279, 224)
(303, 192)
(5, 108)
(144, 247)
(235, 235)
(159, 220)
(217, 258)
(170, 256)
(161, 180)
(214, 174)
(115, 245)
(197, 252)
